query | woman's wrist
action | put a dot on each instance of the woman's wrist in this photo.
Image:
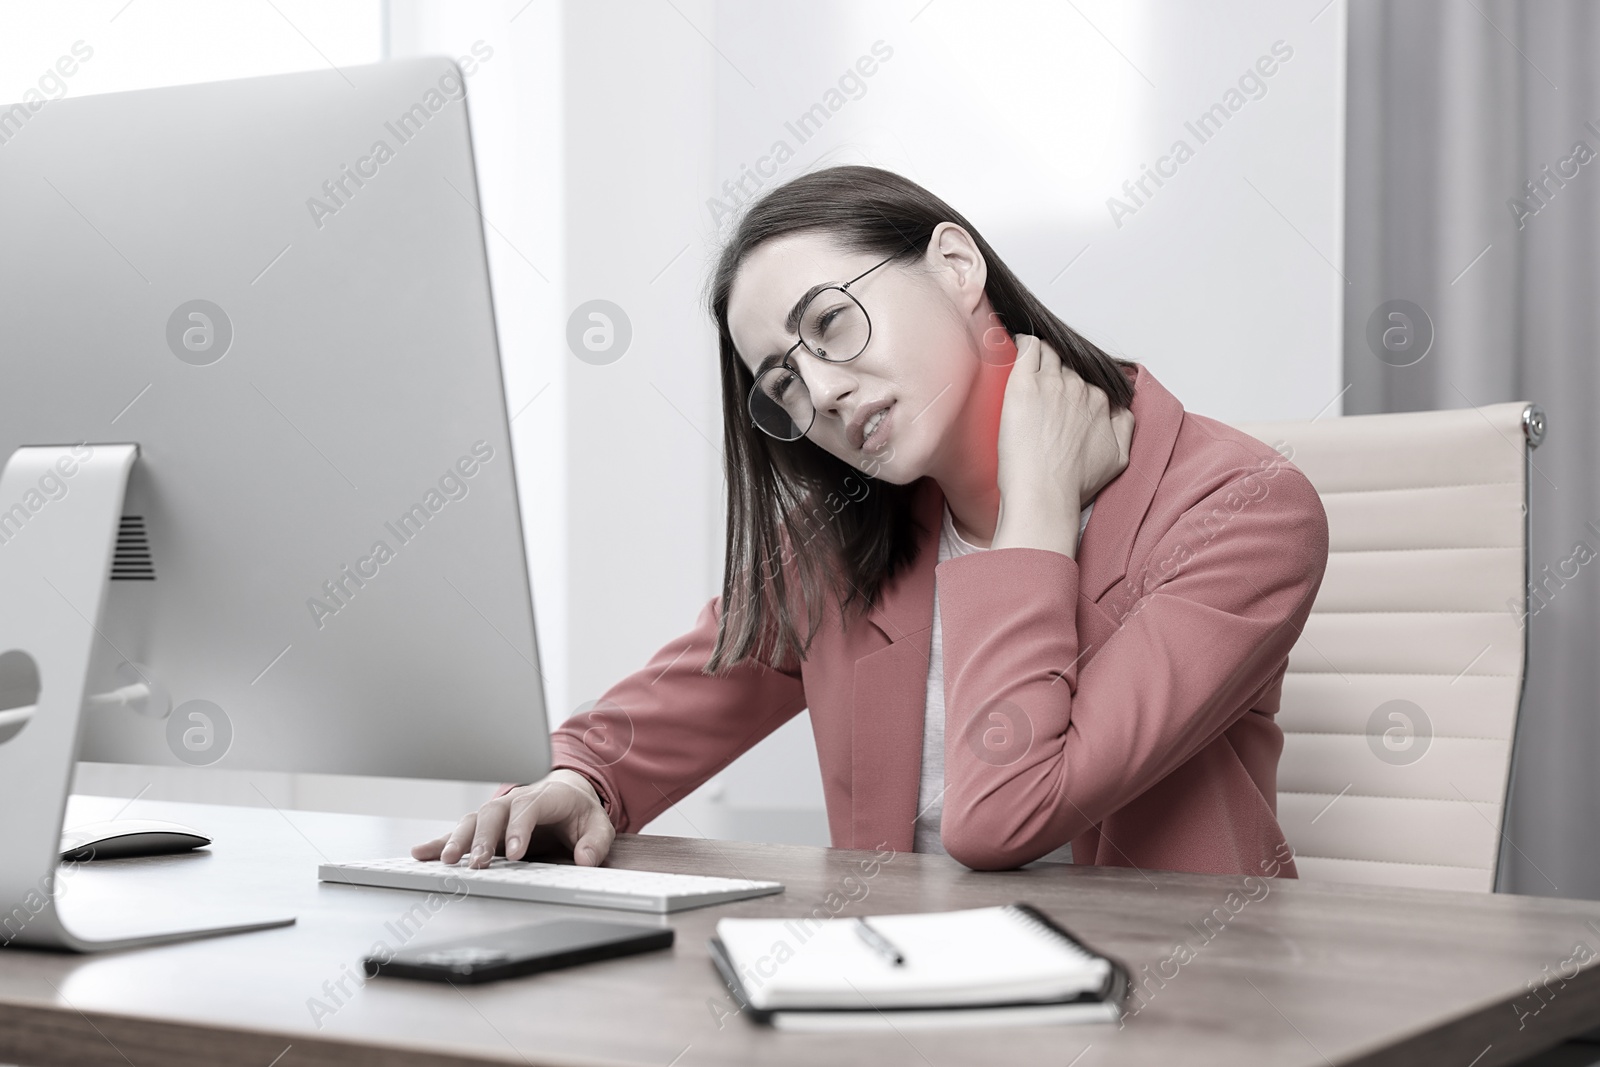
(581, 782)
(1030, 519)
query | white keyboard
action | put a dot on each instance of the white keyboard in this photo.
(551, 883)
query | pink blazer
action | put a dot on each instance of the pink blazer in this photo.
(1124, 701)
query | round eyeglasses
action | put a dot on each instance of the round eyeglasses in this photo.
(834, 327)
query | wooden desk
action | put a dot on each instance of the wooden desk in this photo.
(1305, 974)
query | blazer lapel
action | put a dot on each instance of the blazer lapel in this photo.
(890, 694)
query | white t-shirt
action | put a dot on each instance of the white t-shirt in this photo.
(930, 793)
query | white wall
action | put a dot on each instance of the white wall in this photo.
(604, 129)
(148, 43)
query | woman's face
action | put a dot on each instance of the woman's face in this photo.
(926, 351)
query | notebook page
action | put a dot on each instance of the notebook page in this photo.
(974, 956)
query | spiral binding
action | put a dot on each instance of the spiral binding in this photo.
(1037, 920)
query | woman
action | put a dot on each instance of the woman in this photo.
(915, 448)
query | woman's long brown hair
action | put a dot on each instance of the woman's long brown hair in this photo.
(790, 503)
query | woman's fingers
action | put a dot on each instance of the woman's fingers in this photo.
(1028, 353)
(429, 850)
(520, 825)
(1122, 428)
(562, 806)
(457, 840)
(1049, 358)
(594, 838)
(573, 813)
(537, 807)
(1086, 443)
(1085, 400)
(1110, 454)
(490, 832)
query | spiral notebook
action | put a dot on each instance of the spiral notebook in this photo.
(1005, 965)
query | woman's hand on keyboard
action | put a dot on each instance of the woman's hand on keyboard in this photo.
(560, 809)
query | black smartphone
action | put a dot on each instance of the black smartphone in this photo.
(521, 950)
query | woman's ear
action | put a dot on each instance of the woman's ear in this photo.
(954, 255)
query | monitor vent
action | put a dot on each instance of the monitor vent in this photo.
(132, 563)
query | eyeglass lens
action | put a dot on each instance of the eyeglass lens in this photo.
(834, 327)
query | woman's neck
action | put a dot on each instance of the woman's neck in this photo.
(969, 472)
(974, 505)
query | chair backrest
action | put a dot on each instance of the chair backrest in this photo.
(1401, 699)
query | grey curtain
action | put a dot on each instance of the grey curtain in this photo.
(1473, 191)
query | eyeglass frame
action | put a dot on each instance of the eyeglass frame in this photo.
(785, 362)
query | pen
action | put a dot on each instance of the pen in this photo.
(880, 944)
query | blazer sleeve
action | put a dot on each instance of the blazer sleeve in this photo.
(1039, 749)
(658, 734)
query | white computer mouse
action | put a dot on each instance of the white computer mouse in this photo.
(128, 837)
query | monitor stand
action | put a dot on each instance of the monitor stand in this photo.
(60, 507)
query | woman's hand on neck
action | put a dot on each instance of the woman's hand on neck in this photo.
(1059, 443)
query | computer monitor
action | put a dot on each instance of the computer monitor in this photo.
(277, 288)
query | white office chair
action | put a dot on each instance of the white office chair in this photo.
(1401, 699)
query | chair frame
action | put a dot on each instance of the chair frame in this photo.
(1533, 430)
